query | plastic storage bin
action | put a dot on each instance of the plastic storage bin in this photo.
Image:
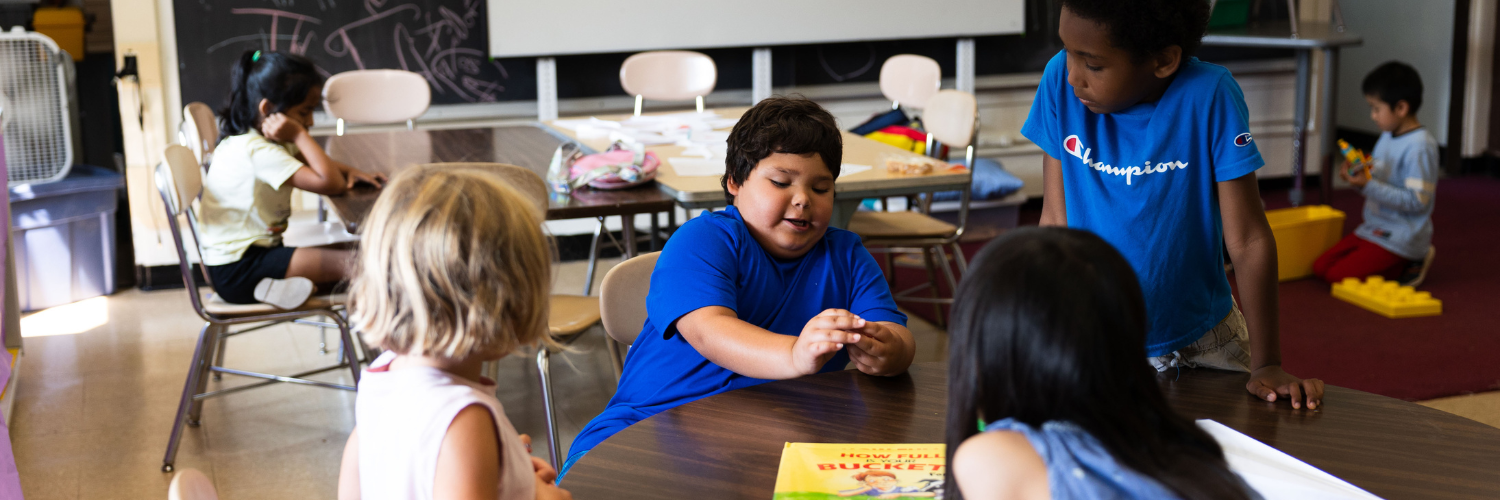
(1303, 234)
(64, 234)
(64, 25)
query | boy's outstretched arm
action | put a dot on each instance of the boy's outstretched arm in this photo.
(746, 349)
(1252, 248)
(1054, 208)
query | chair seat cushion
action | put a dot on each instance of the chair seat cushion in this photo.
(899, 225)
(572, 314)
(218, 307)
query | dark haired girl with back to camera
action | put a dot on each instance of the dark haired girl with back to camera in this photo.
(1049, 392)
(247, 194)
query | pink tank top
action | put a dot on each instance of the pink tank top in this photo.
(403, 416)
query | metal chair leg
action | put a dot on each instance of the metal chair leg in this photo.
(543, 365)
(206, 337)
(346, 344)
(616, 360)
(195, 410)
(322, 341)
(937, 308)
(958, 255)
(219, 356)
(947, 272)
(588, 278)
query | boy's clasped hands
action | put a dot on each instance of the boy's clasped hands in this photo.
(873, 347)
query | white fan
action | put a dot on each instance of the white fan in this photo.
(38, 134)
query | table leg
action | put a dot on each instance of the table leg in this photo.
(1326, 132)
(843, 211)
(1299, 126)
(655, 233)
(627, 235)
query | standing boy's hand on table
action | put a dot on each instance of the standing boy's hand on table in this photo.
(1269, 382)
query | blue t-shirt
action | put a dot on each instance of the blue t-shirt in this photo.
(1145, 179)
(713, 260)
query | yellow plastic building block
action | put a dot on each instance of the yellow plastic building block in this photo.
(1387, 298)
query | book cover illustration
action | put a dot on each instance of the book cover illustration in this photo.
(829, 471)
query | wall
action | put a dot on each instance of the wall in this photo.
(1416, 33)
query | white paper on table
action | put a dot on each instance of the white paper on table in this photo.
(697, 167)
(852, 168)
(1277, 475)
(573, 124)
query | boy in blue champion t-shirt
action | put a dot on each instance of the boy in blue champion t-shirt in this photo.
(763, 290)
(1150, 148)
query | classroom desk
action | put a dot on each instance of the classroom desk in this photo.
(705, 192)
(529, 146)
(729, 445)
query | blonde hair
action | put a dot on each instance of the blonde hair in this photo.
(453, 263)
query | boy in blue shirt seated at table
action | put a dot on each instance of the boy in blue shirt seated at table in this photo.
(763, 290)
(1150, 148)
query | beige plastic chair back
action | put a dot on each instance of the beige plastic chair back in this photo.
(910, 79)
(183, 178)
(950, 117)
(374, 96)
(622, 297)
(668, 75)
(200, 133)
(189, 484)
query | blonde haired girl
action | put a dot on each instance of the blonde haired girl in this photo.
(453, 270)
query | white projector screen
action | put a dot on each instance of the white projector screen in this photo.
(525, 28)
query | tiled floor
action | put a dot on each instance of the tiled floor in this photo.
(94, 408)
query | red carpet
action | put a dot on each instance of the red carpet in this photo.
(1412, 359)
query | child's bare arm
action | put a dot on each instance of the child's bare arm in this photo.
(1054, 208)
(349, 469)
(743, 348)
(468, 465)
(321, 175)
(1252, 248)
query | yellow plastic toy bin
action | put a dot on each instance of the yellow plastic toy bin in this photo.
(1303, 234)
(64, 25)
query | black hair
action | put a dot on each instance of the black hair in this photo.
(1146, 27)
(283, 79)
(1049, 324)
(780, 124)
(1394, 82)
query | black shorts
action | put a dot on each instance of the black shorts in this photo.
(235, 282)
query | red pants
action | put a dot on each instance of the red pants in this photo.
(1353, 257)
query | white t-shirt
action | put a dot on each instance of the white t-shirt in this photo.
(246, 197)
(403, 416)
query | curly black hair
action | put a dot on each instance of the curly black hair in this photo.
(1145, 27)
(1394, 82)
(781, 124)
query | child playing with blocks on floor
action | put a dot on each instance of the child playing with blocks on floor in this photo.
(1395, 240)
(763, 290)
(453, 271)
(1150, 148)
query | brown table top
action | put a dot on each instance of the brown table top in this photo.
(729, 445)
(529, 146)
(857, 150)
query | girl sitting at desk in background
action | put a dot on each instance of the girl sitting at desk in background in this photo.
(1047, 358)
(247, 194)
(453, 271)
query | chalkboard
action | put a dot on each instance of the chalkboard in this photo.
(444, 40)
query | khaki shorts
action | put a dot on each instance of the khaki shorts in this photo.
(1225, 347)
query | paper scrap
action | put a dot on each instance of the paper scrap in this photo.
(697, 167)
(1277, 475)
(852, 168)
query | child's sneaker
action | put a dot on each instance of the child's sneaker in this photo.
(1417, 270)
(285, 294)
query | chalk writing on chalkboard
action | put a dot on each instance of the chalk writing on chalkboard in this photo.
(442, 40)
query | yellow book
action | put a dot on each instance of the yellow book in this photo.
(828, 471)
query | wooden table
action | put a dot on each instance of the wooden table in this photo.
(729, 445)
(529, 146)
(705, 191)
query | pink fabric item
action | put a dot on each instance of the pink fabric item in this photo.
(617, 157)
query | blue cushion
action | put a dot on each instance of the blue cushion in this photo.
(991, 182)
